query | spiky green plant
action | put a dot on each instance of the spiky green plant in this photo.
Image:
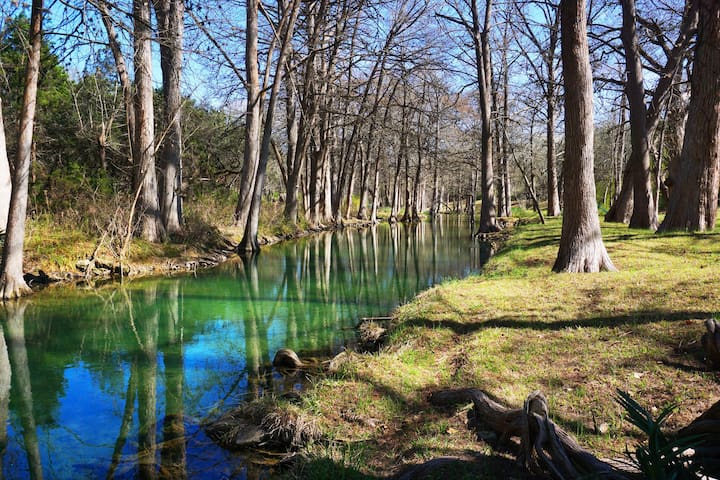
(660, 458)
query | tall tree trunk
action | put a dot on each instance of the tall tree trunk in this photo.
(581, 246)
(170, 14)
(694, 188)
(488, 221)
(253, 117)
(551, 100)
(623, 207)
(643, 215)
(294, 161)
(151, 226)
(250, 243)
(5, 179)
(12, 284)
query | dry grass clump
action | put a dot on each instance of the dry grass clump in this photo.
(267, 422)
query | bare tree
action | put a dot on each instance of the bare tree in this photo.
(480, 33)
(151, 226)
(581, 245)
(170, 14)
(286, 28)
(694, 189)
(546, 71)
(643, 215)
(12, 283)
(253, 116)
(5, 180)
(122, 72)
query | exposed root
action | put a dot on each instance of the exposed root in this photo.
(711, 343)
(12, 288)
(545, 448)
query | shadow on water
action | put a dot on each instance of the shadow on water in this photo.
(116, 382)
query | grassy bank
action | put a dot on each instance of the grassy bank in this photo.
(55, 243)
(518, 328)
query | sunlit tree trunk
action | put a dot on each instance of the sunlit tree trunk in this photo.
(12, 284)
(482, 62)
(581, 245)
(170, 15)
(694, 190)
(151, 227)
(253, 117)
(250, 243)
(5, 180)
(294, 161)
(643, 215)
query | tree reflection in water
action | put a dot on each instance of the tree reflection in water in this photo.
(116, 383)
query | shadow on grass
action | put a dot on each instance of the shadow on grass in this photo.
(635, 318)
(449, 467)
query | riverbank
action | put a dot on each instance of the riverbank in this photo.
(519, 328)
(65, 255)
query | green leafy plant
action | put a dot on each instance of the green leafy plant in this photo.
(661, 458)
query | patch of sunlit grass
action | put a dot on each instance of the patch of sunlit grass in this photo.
(519, 327)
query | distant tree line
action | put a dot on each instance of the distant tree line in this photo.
(339, 108)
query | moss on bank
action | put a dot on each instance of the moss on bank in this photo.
(518, 328)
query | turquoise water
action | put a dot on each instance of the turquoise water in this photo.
(115, 382)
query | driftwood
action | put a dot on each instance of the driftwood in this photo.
(545, 448)
(711, 343)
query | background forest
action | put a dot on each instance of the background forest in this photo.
(162, 119)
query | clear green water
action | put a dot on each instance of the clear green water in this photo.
(114, 382)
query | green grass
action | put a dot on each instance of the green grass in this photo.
(518, 328)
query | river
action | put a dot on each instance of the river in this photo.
(115, 382)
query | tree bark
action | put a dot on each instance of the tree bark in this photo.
(622, 208)
(551, 100)
(546, 449)
(581, 245)
(643, 215)
(694, 190)
(5, 179)
(481, 42)
(12, 283)
(294, 161)
(151, 226)
(253, 117)
(250, 243)
(170, 14)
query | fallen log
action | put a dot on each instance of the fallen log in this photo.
(545, 448)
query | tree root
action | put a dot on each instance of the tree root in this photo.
(545, 448)
(711, 343)
(707, 426)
